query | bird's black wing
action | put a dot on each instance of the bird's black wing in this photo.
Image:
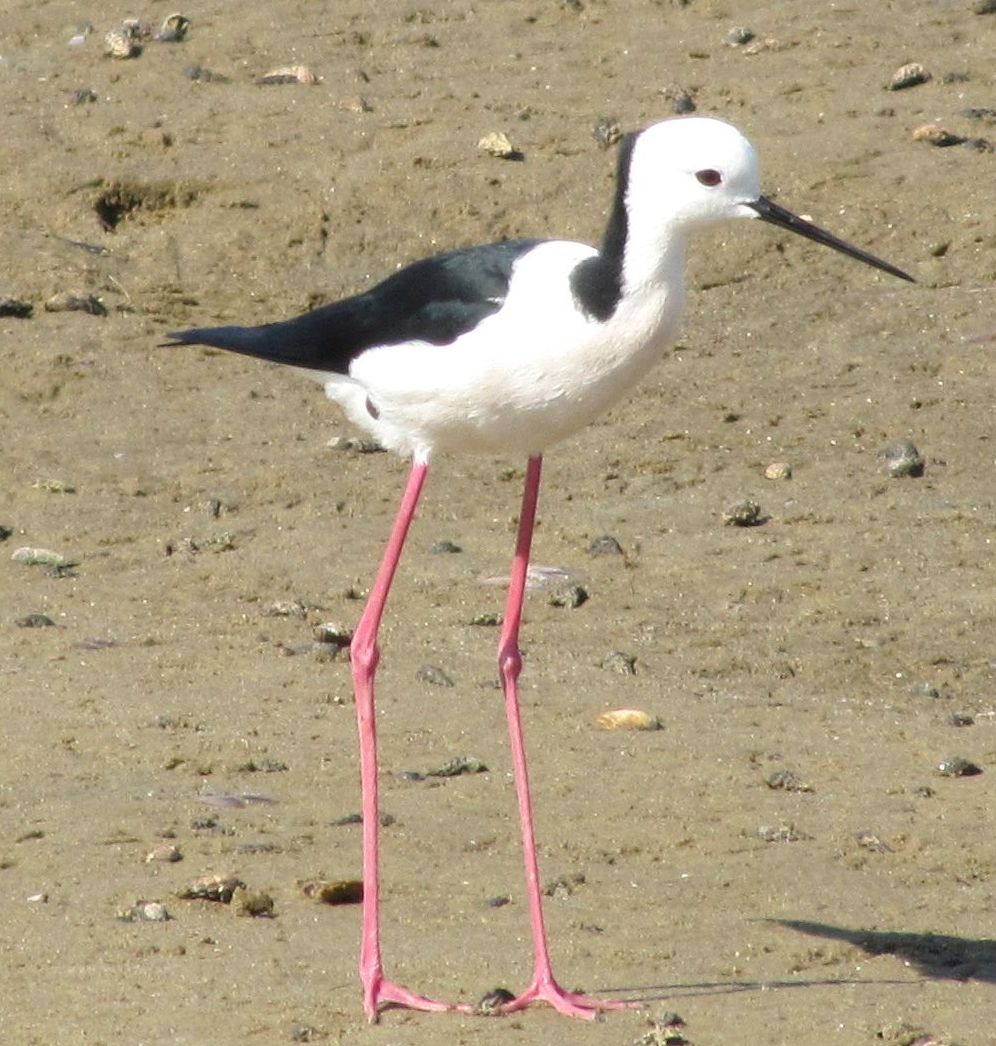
(433, 300)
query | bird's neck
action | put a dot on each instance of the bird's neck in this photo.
(653, 262)
(636, 259)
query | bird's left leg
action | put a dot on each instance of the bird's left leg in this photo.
(364, 655)
(543, 987)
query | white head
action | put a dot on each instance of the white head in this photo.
(691, 172)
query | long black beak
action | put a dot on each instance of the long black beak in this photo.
(771, 212)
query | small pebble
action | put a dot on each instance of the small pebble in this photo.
(571, 597)
(444, 548)
(255, 904)
(489, 619)
(960, 719)
(680, 99)
(333, 634)
(901, 458)
(152, 912)
(82, 96)
(873, 842)
(146, 912)
(934, 134)
(356, 104)
(461, 764)
(984, 7)
(33, 557)
(908, 76)
(20, 310)
(739, 35)
(34, 621)
(205, 76)
(498, 902)
(286, 608)
(79, 38)
(564, 885)
(348, 819)
(123, 42)
(607, 131)
(606, 545)
(956, 766)
(786, 781)
(781, 833)
(231, 801)
(498, 144)
(665, 1031)
(385, 820)
(173, 30)
(339, 891)
(490, 1004)
(743, 514)
(64, 301)
(778, 470)
(288, 74)
(53, 485)
(168, 853)
(433, 675)
(263, 766)
(628, 719)
(618, 661)
(211, 888)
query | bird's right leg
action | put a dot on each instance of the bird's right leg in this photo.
(543, 987)
(364, 654)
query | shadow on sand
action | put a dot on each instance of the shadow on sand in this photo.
(933, 955)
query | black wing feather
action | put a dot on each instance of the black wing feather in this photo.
(433, 300)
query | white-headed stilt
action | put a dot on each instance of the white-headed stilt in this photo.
(505, 349)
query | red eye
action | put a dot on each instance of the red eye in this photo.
(709, 177)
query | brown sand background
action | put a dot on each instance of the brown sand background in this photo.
(808, 643)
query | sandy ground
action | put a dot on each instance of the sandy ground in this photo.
(848, 639)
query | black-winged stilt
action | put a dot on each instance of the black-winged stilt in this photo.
(507, 348)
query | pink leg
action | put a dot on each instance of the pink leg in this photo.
(364, 653)
(543, 986)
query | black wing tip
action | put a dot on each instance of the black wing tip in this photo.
(187, 337)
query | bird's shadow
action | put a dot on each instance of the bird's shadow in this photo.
(936, 955)
(933, 955)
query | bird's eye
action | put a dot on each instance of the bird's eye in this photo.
(709, 177)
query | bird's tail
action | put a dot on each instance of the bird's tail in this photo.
(312, 341)
(250, 341)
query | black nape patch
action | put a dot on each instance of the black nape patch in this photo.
(597, 287)
(597, 282)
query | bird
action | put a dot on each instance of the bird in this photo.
(509, 348)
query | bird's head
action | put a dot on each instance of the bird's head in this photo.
(692, 172)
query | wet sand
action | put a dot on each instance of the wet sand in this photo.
(848, 639)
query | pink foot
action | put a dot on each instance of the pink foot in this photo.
(382, 992)
(571, 1004)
